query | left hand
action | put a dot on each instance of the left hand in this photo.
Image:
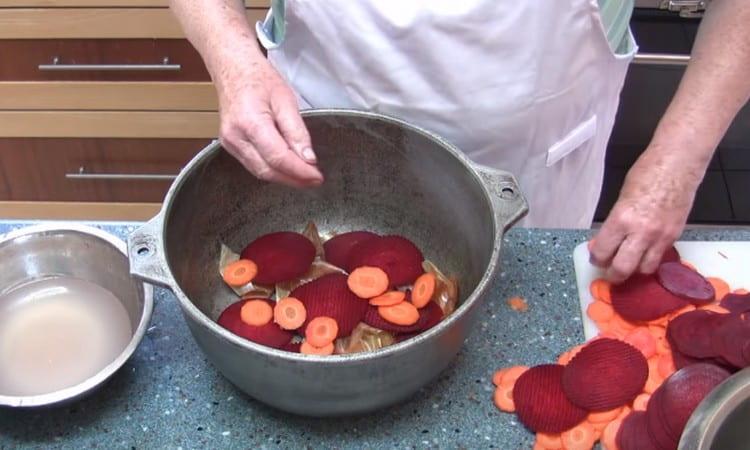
(649, 215)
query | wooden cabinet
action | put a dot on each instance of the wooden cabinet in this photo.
(101, 101)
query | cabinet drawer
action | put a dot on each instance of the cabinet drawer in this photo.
(92, 170)
(100, 60)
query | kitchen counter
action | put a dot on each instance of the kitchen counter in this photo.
(169, 396)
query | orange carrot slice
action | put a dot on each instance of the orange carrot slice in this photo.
(240, 272)
(256, 313)
(321, 331)
(741, 291)
(390, 298)
(518, 304)
(403, 313)
(367, 282)
(503, 399)
(497, 377)
(715, 307)
(567, 356)
(604, 416)
(641, 402)
(683, 310)
(600, 290)
(654, 379)
(599, 311)
(424, 287)
(580, 437)
(609, 436)
(665, 365)
(308, 349)
(289, 313)
(549, 440)
(643, 340)
(720, 286)
(511, 375)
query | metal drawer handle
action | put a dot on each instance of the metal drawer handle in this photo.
(164, 66)
(661, 59)
(82, 175)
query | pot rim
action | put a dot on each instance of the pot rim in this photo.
(202, 319)
(95, 381)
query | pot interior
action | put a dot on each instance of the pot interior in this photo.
(380, 176)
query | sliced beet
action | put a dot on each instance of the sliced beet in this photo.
(399, 258)
(270, 334)
(633, 433)
(338, 248)
(692, 333)
(330, 296)
(656, 424)
(641, 298)
(605, 374)
(730, 340)
(736, 303)
(541, 404)
(429, 316)
(281, 256)
(683, 391)
(685, 283)
(293, 347)
(671, 255)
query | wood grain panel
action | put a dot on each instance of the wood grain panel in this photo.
(78, 211)
(108, 3)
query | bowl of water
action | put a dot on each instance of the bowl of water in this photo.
(70, 313)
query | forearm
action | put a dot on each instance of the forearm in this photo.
(219, 30)
(715, 86)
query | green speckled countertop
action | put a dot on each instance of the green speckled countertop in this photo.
(169, 396)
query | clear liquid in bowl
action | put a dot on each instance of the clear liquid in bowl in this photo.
(57, 332)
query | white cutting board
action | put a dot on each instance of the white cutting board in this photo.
(727, 260)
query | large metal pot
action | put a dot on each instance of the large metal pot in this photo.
(382, 174)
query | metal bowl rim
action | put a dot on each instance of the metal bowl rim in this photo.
(107, 371)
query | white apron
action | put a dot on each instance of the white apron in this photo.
(531, 87)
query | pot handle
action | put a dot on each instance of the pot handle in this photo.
(508, 202)
(146, 253)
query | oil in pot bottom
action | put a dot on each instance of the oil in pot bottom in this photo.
(56, 333)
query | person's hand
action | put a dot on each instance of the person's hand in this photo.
(261, 125)
(648, 217)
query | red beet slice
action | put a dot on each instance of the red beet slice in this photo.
(281, 256)
(429, 316)
(686, 283)
(330, 296)
(338, 248)
(736, 303)
(641, 298)
(270, 334)
(399, 258)
(692, 333)
(633, 433)
(682, 392)
(656, 425)
(671, 255)
(293, 347)
(605, 374)
(730, 340)
(541, 404)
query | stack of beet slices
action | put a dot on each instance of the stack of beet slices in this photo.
(286, 256)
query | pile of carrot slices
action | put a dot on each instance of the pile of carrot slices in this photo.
(661, 336)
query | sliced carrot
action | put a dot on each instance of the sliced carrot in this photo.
(604, 416)
(599, 311)
(609, 436)
(720, 286)
(321, 331)
(657, 331)
(580, 437)
(654, 379)
(511, 375)
(567, 356)
(240, 272)
(367, 282)
(256, 313)
(665, 365)
(689, 265)
(741, 291)
(538, 446)
(620, 325)
(715, 307)
(607, 334)
(308, 349)
(289, 313)
(402, 314)
(643, 340)
(600, 290)
(549, 440)
(625, 411)
(503, 399)
(390, 298)
(424, 287)
(498, 376)
(683, 310)
(663, 348)
(518, 304)
(641, 402)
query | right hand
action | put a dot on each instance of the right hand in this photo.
(261, 125)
